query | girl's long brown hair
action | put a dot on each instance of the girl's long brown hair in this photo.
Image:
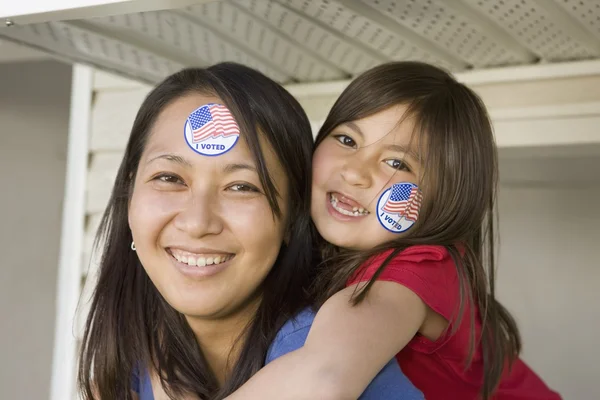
(130, 326)
(459, 191)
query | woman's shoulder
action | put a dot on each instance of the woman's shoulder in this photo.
(292, 334)
(142, 384)
(298, 322)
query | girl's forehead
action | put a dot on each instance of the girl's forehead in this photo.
(392, 125)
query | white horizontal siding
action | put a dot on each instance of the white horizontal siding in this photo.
(112, 118)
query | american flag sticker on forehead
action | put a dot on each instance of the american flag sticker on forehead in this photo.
(398, 207)
(211, 130)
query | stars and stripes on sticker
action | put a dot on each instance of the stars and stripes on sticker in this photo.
(212, 121)
(405, 201)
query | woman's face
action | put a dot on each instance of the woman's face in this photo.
(202, 226)
(353, 168)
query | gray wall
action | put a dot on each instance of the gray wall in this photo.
(34, 116)
(549, 269)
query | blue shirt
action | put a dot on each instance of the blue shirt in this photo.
(389, 384)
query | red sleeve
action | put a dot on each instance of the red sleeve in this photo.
(428, 271)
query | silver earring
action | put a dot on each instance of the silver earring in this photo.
(133, 246)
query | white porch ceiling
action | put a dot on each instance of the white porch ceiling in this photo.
(307, 41)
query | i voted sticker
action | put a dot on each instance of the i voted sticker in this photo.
(211, 130)
(398, 207)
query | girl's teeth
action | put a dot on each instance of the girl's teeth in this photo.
(356, 211)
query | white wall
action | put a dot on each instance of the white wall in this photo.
(34, 115)
(549, 212)
(549, 267)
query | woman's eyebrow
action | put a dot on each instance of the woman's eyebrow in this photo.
(230, 168)
(171, 157)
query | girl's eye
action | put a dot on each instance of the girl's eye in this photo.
(345, 140)
(169, 178)
(398, 164)
(243, 187)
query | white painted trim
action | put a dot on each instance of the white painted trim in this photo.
(539, 132)
(533, 72)
(36, 11)
(64, 359)
(547, 111)
(475, 77)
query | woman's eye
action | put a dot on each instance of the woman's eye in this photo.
(398, 164)
(169, 178)
(243, 187)
(345, 140)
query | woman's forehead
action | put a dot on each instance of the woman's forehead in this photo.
(168, 136)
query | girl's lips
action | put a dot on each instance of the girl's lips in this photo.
(347, 200)
(346, 205)
(342, 214)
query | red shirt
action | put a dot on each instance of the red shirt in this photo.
(437, 367)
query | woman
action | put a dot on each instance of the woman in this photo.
(208, 240)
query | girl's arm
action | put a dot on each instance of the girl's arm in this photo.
(346, 347)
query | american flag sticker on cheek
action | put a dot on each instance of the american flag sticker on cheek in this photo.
(398, 207)
(211, 130)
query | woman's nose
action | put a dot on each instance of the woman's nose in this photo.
(199, 217)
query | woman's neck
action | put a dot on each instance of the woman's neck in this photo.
(221, 339)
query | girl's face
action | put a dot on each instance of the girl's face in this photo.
(352, 167)
(203, 229)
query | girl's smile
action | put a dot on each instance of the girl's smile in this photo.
(345, 208)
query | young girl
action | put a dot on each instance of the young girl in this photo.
(404, 185)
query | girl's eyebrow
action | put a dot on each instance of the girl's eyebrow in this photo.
(355, 128)
(403, 149)
(391, 147)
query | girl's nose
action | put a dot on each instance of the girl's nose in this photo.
(356, 174)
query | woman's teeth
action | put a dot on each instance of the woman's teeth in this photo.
(200, 261)
(356, 211)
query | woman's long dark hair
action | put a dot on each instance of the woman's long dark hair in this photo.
(459, 191)
(130, 326)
